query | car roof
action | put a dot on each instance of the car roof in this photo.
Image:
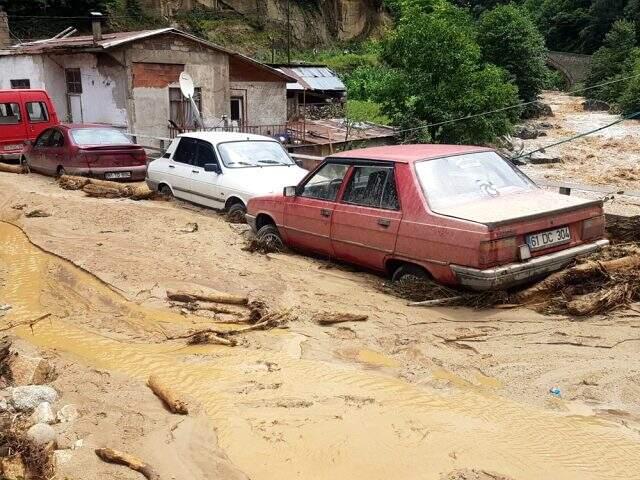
(219, 137)
(409, 153)
(85, 125)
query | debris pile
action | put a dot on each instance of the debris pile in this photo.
(105, 189)
(6, 167)
(622, 228)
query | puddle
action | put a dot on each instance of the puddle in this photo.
(280, 416)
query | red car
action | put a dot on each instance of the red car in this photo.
(24, 114)
(462, 215)
(91, 150)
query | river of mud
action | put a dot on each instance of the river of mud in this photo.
(280, 413)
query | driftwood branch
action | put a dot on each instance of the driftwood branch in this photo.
(31, 323)
(206, 296)
(134, 463)
(328, 318)
(436, 302)
(5, 167)
(167, 395)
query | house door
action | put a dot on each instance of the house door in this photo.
(237, 111)
(75, 109)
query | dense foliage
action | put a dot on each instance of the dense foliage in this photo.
(509, 38)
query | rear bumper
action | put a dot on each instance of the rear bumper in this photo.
(138, 172)
(514, 274)
(10, 157)
(251, 221)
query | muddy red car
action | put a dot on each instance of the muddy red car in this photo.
(462, 215)
(91, 150)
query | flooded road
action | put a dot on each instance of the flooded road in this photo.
(281, 413)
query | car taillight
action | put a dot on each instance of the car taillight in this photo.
(593, 228)
(498, 251)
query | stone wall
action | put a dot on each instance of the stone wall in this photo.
(5, 37)
(573, 66)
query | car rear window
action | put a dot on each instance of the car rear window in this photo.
(99, 136)
(467, 178)
(9, 113)
(253, 153)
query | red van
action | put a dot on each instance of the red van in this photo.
(24, 114)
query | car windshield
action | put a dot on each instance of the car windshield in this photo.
(253, 153)
(467, 178)
(99, 136)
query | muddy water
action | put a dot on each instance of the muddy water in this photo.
(282, 416)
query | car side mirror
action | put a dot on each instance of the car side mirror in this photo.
(290, 191)
(212, 167)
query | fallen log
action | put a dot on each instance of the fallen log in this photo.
(168, 396)
(72, 182)
(5, 167)
(556, 281)
(206, 295)
(101, 191)
(436, 302)
(328, 318)
(134, 463)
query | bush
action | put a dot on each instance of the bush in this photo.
(433, 72)
(629, 100)
(366, 111)
(509, 38)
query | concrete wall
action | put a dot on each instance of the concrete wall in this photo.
(265, 103)
(21, 67)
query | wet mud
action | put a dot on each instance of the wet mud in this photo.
(281, 413)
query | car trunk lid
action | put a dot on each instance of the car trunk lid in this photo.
(105, 156)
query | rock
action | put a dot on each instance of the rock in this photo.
(43, 414)
(593, 105)
(29, 397)
(78, 444)
(4, 406)
(68, 413)
(61, 457)
(537, 110)
(540, 158)
(13, 468)
(25, 370)
(545, 125)
(37, 213)
(41, 434)
(527, 133)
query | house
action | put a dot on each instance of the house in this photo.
(317, 92)
(130, 80)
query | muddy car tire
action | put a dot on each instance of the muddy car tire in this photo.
(60, 172)
(270, 237)
(236, 213)
(165, 191)
(409, 273)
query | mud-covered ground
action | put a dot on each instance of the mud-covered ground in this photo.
(409, 393)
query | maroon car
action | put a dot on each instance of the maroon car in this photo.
(91, 150)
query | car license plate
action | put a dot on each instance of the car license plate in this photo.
(110, 175)
(541, 240)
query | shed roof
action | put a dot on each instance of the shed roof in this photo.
(334, 130)
(86, 43)
(312, 77)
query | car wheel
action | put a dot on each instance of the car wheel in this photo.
(25, 164)
(60, 172)
(270, 237)
(409, 273)
(165, 191)
(236, 213)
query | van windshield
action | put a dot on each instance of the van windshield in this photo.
(253, 153)
(99, 136)
(467, 178)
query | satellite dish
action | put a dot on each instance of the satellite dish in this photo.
(186, 85)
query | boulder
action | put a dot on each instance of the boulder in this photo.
(527, 133)
(13, 468)
(25, 370)
(68, 413)
(28, 397)
(540, 158)
(43, 414)
(41, 434)
(537, 110)
(593, 105)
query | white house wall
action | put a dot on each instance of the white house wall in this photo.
(265, 102)
(21, 67)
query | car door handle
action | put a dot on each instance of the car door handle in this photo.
(384, 222)
(172, 166)
(195, 171)
(325, 212)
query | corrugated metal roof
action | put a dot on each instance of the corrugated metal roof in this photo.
(313, 78)
(334, 130)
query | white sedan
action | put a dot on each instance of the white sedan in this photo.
(223, 170)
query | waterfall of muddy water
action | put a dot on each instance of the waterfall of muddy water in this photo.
(282, 417)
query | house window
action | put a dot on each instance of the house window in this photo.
(237, 110)
(37, 112)
(9, 113)
(74, 80)
(21, 83)
(181, 113)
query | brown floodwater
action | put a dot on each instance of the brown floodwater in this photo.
(282, 415)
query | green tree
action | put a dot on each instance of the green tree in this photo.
(509, 38)
(602, 15)
(612, 61)
(433, 72)
(629, 99)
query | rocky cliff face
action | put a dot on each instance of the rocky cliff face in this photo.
(313, 21)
